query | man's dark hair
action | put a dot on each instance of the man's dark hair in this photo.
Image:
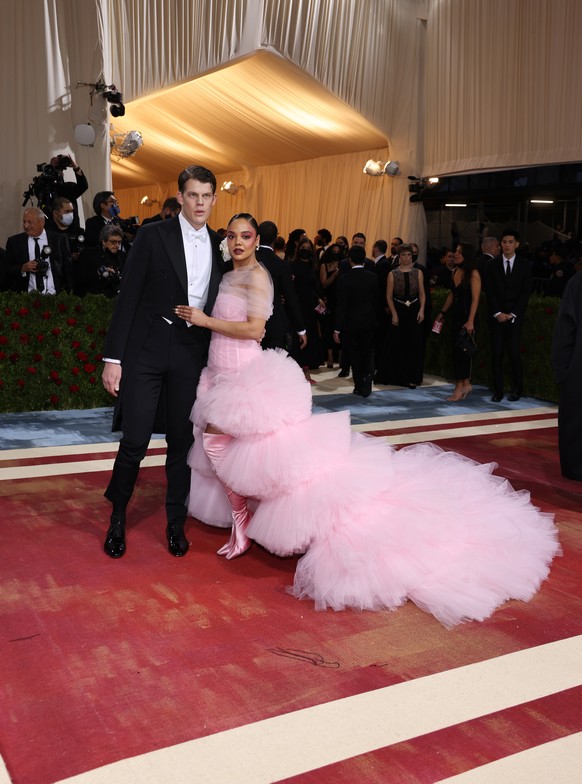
(325, 235)
(510, 233)
(268, 231)
(382, 245)
(173, 203)
(99, 199)
(199, 173)
(399, 240)
(359, 234)
(357, 254)
(59, 202)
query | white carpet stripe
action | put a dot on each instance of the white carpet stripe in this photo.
(69, 449)
(92, 466)
(398, 424)
(559, 762)
(304, 740)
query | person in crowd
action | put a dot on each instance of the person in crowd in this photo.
(152, 362)
(357, 305)
(170, 208)
(395, 244)
(343, 243)
(49, 188)
(462, 302)
(490, 248)
(38, 260)
(567, 365)
(508, 288)
(381, 268)
(561, 270)
(106, 210)
(322, 241)
(440, 277)
(291, 244)
(377, 525)
(403, 355)
(307, 289)
(328, 280)
(287, 315)
(100, 269)
(279, 247)
(427, 321)
(62, 222)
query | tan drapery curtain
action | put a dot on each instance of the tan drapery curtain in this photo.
(503, 84)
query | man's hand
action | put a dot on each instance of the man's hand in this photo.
(111, 377)
(30, 266)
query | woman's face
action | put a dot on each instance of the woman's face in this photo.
(242, 240)
(406, 257)
(113, 244)
(304, 251)
(459, 258)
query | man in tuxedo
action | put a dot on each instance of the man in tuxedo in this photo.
(394, 258)
(36, 259)
(490, 248)
(106, 209)
(357, 305)
(286, 307)
(507, 286)
(153, 359)
(170, 208)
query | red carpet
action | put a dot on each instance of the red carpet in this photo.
(102, 660)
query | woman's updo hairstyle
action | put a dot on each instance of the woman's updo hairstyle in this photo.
(245, 216)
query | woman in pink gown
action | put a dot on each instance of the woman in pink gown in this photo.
(384, 526)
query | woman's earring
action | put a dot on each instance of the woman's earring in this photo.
(257, 247)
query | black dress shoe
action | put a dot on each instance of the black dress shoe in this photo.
(115, 539)
(497, 397)
(177, 542)
(513, 396)
(343, 374)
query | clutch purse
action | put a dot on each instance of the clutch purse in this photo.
(466, 343)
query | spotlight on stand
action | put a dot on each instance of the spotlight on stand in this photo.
(416, 187)
(377, 168)
(229, 187)
(147, 202)
(115, 98)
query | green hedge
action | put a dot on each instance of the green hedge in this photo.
(50, 350)
(535, 348)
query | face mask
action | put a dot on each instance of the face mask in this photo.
(114, 210)
(67, 218)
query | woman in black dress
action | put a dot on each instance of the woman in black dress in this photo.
(403, 356)
(328, 277)
(463, 301)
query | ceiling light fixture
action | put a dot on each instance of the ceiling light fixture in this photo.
(230, 187)
(110, 93)
(433, 180)
(542, 201)
(147, 202)
(455, 205)
(377, 168)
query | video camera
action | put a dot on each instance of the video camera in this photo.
(109, 274)
(44, 186)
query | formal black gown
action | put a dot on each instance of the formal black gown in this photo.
(460, 309)
(306, 287)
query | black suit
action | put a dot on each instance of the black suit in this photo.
(17, 254)
(286, 307)
(161, 362)
(357, 307)
(507, 294)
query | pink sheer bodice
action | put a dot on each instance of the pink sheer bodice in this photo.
(244, 292)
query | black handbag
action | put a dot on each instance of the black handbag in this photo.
(466, 343)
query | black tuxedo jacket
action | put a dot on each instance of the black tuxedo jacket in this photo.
(357, 300)
(508, 293)
(93, 228)
(286, 307)
(154, 281)
(60, 260)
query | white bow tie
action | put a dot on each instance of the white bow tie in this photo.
(194, 234)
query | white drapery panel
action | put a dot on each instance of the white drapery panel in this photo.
(330, 192)
(503, 84)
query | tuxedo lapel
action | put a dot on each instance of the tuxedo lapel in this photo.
(174, 247)
(216, 271)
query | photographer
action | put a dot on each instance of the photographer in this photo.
(38, 260)
(62, 222)
(50, 184)
(99, 270)
(106, 211)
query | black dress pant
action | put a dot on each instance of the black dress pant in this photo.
(506, 337)
(167, 368)
(360, 344)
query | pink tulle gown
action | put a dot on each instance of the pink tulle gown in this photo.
(377, 526)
